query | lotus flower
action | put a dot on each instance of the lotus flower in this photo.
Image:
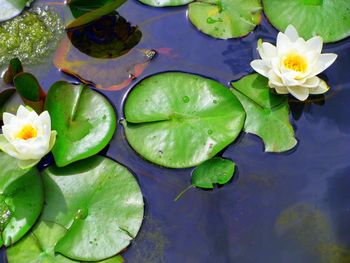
(293, 64)
(27, 136)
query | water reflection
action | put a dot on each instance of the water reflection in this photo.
(111, 36)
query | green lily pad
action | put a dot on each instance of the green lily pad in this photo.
(225, 18)
(329, 19)
(164, 3)
(267, 113)
(11, 8)
(84, 120)
(21, 199)
(38, 246)
(89, 11)
(15, 67)
(213, 171)
(180, 120)
(100, 204)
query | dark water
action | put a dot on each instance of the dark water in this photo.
(280, 208)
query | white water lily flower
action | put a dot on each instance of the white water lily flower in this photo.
(27, 136)
(293, 64)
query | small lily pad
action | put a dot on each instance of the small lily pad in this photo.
(84, 120)
(329, 19)
(38, 246)
(21, 199)
(100, 204)
(267, 113)
(15, 67)
(180, 120)
(225, 18)
(11, 8)
(164, 3)
(213, 171)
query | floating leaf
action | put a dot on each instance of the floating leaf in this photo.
(329, 19)
(21, 199)
(180, 120)
(225, 18)
(5, 95)
(99, 203)
(164, 3)
(91, 10)
(38, 246)
(84, 120)
(213, 171)
(111, 36)
(12, 8)
(267, 113)
(15, 67)
(12, 104)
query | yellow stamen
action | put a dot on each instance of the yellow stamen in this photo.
(27, 132)
(295, 62)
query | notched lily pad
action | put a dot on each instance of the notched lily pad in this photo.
(267, 113)
(84, 120)
(329, 19)
(38, 246)
(21, 199)
(180, 120)
(225, 18)
(164, 3)
(100, 204)
(213, 171)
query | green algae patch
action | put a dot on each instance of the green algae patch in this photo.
(30, 36)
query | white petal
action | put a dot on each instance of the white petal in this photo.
(324, 61)
(283, 44)
(260, 66)
(7, 117)
(25, 164)
(298, 92)
(292, 33)
(6, 147)
(322, 88)
(274, 79)
(267, 51)
(289, 79)
(281, 90)
(22, 112)
(315, 44)
(312, 82)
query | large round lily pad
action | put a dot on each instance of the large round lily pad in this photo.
(84, 120)
(38, 246)
(164, 3)
(180, 120)
(21, 199)
(100, 204)
(225, 18)
(329, 19)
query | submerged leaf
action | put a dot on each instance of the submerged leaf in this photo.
(84, 120)
(214, 171)
(267, 113)
(38, 246)
(100, 204)
(21, 199)
(180, 120)
(225, 18)
(329, 19)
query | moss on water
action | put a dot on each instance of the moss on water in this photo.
(30, 36)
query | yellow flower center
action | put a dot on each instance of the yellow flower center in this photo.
(27, 132)
(295, 62)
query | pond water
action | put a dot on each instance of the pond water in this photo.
(280, 208)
